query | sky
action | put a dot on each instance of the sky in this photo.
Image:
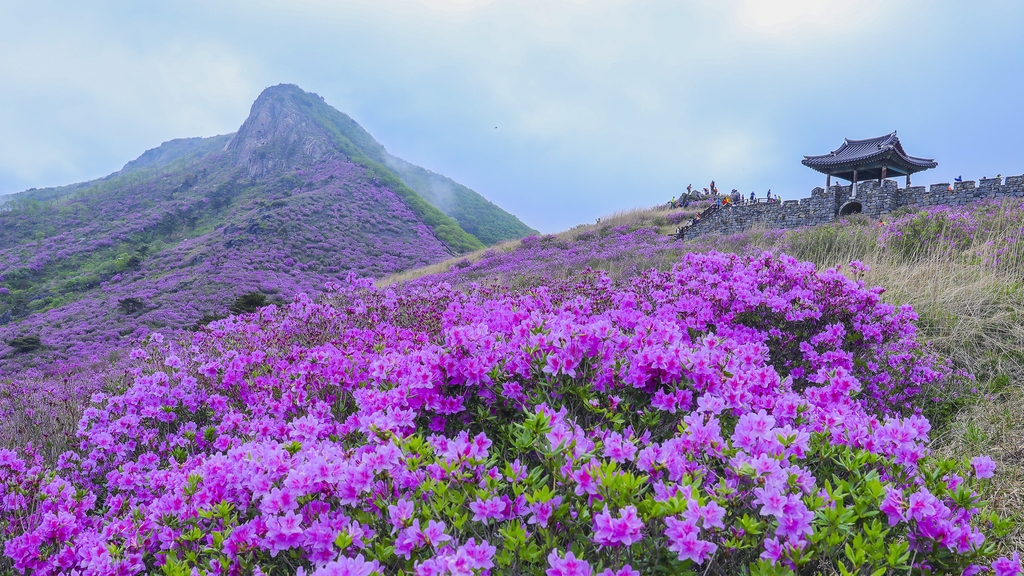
(559, 111)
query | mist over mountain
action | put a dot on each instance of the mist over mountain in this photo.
(299, 197)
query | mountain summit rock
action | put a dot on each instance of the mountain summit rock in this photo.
(280, 130)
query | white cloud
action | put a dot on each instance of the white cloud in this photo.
(810, 19)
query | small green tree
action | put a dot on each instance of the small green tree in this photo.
(127, 262)
(25, 344)
(248, 302)
(131, 305)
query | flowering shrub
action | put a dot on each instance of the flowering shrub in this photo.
(730, 414)
(991, 230)
(679, 217)
(944, 228)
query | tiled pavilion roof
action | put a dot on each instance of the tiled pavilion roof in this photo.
(868, 157)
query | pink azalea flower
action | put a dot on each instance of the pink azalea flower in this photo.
(772, 550)
(400, 512)
(683, 539)
(922, 505)
(542, 511)
(1008, 566)
(618, 448)
(484, 510)
(625, 530)
(434, 534)
(893, 505)
(357, 566)
(480, 555)
(984, 467)
(567, 566)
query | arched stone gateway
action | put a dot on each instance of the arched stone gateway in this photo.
(849, 208)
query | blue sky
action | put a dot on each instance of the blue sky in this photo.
(600, 105)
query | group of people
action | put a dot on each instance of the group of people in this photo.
(711, 192)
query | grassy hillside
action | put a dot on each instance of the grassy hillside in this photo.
(159, 248)
(620, 244)
(182, 151)
(186, 149)
(474, 213)
(189, 226)
(460, 217)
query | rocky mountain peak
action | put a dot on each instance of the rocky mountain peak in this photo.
(281, 131)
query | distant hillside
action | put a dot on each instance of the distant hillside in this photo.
(474, 213)
(287, 204)
(174, 150)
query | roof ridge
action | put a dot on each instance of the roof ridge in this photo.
(885, 149)
(876, 138)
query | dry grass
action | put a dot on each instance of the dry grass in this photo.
(973, 315)
(994, 425)
(446, 265)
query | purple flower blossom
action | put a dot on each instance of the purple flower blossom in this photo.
(568, 565)
(624, 530)
(1008, 566)
(984, 467)
(484, 510)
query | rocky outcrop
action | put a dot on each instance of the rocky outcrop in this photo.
(279, 133)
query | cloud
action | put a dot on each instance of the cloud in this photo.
(599, 103)
(809, 19)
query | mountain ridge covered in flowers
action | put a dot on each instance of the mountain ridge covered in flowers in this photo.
(292, 201)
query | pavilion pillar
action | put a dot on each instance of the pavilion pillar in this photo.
(908, 181)
(828, 182)
(882, 177)
(853, 187)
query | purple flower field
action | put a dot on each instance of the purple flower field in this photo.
(725, 414)
(336, 223)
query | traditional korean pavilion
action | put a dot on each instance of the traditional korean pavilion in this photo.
(870, 159)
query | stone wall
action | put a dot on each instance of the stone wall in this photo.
(875, 200)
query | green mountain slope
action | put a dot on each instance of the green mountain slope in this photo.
(474, 213)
